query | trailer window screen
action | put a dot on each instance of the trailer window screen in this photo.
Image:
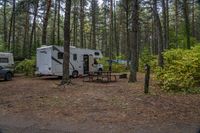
(60, 55)
(74, 57)
(3, 60)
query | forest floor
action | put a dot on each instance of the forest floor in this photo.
(38, 105)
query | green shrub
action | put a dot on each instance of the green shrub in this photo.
(117, 68)
(147, 58)
(181, 72)
(27, 67)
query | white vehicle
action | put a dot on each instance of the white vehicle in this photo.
(50, 61)
(6, 60)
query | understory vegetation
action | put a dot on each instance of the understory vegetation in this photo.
(26, 66)
(181, 72)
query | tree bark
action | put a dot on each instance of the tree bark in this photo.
(10, 32)
(54, 24)
(187, 22)
(13, 27)
(26, 31)
(58, 24)
(94, 8)
(105, 40)
(111, 30)
(45, 22)
(36, 4)
(82, 5)
(159, 34)
(176, 21)
(75, 26)
(66, 58)
(167, 24)
(115, 30)
(164, 13)
(134, 43)
(127, 32)
(193, 18)
(5, 23)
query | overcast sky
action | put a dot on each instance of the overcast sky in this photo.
(100, 1)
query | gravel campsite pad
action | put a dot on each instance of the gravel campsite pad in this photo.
(94, 107)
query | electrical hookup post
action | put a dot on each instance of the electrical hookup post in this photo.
(147, 78)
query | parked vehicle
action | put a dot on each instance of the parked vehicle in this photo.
(6, 73)
(50, 61)
(7, 60)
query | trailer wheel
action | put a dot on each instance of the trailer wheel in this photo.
(75, 74)
(8, 76)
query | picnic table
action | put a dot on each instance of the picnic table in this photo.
(104, 76)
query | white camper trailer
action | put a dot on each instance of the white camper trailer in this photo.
(50, 60)
(6, 60)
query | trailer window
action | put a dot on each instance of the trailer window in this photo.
(3, 60)
(96, 53)
(74, 57)
(60, 55)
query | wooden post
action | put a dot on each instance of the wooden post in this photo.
(147, 78)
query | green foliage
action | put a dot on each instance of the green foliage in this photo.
(181, 72)
(147, 58)
(181, 40)
(2, 49)
(27, 67)
(121, 57)
(116, 67)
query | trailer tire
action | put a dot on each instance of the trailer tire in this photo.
(8, 76)
(75, 74)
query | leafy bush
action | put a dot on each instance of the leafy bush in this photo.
(181, 71)
(116, 67)
(147, 58)
(27, 67)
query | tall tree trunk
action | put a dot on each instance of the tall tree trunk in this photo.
(13, 27)
(5, 23)
(26, 31)
(134, 42)
(193, 18)
(54, 24)
(82, 6)
(105, 42)
(176, 21)
(167, 24)
(127, 32)
(115, 30)
(75, 26)
(58, 24)
(10, 32)
(66, 58)
(187, 22)
(33, 27)
(159, 34)
(111, 30)
(45, 22)
(164, 24)
(94, 8)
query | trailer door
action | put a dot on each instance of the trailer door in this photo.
(85, 64)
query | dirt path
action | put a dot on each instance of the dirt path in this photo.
(37, 105)
(20, 125)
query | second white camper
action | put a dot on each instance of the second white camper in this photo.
(50, 61)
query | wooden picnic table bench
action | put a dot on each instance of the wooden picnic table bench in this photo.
(104, 76)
